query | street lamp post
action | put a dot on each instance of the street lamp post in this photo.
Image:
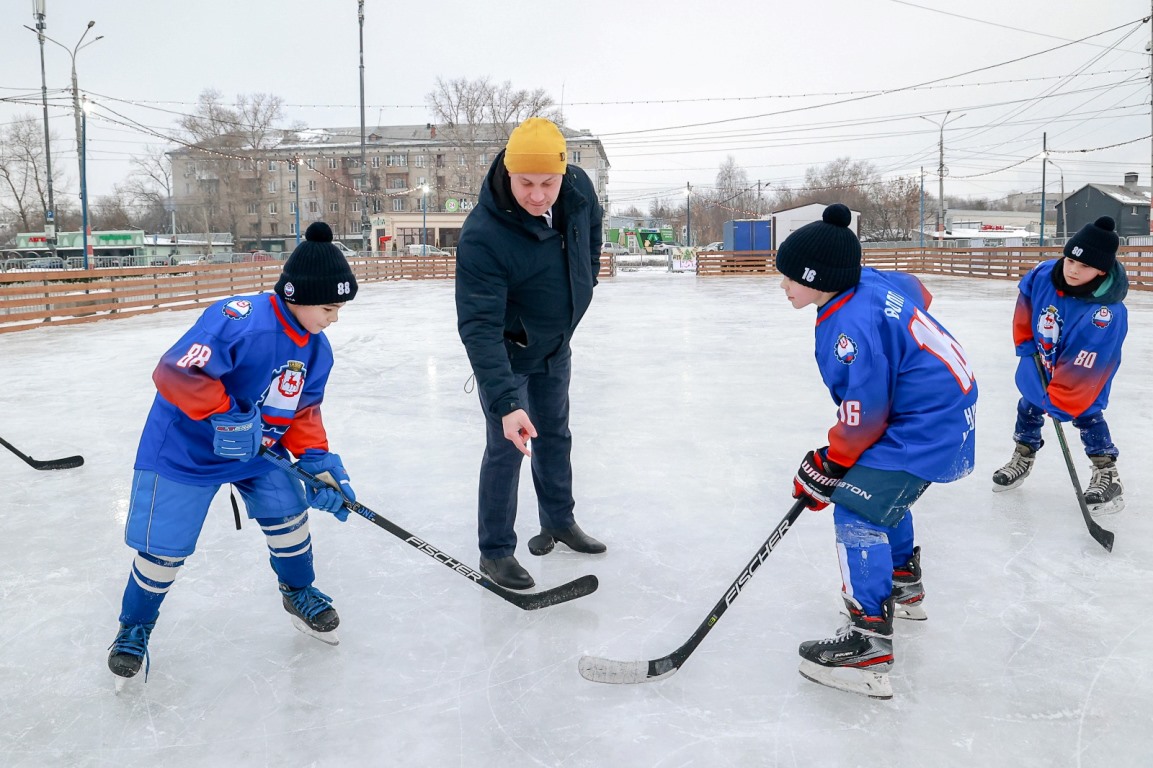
(1044, 159)
(922, 211)
(688, 214)
(423, 219)
(365, 225)
(84, 182)
(38, 12)
(1064, 211)
(941, 176)
(75, 89)
(296, 169)
(77, 112)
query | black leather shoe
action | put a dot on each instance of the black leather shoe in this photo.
(506, 572)
(576, 540)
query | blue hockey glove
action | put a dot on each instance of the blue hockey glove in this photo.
(327, 467)
(817, 478)
(237, 434)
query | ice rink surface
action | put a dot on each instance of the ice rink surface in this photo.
(693, 402)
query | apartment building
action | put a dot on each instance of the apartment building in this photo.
(405, 178)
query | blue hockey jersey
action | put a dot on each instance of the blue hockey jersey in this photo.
(905, 394)
(1079, 339)
(249, 349)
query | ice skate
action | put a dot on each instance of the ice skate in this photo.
(859, 658)
(908, 591)
(1104, 494)
(128, 651)
(312, 612)
(1015, 470)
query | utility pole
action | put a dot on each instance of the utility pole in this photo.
(296, 162)
(38, 12)
(1044, 162)
(941, 170)
(941, 185)
(365, 225)
(922, 213)
(688, 214)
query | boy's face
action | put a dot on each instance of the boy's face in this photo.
(317, 317)
(800, 295)
(1077, 273)
(535, 192)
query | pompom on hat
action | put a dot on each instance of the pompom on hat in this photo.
(1095, 244)
(536, 146)
(316, 273)
(825, 254)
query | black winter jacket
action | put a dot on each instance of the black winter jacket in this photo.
(521, 286)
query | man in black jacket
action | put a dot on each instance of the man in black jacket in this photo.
(527, 261)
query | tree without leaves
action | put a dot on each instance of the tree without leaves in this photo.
(230, 165)
(149, 189)
(476, 117)
(23, 174)
(113, 211)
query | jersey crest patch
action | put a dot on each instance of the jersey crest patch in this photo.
(237, 309)
(1102, 317)
(845, 350)
(1049, 328)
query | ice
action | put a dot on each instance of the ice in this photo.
(693, 402)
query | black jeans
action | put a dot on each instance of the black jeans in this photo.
(544, 397)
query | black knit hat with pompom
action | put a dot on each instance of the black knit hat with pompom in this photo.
(825, 255)
(1094, 244)
(316, 273)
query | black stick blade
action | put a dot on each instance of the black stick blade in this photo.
(68, 462)
(530, 601)
(1101, 536)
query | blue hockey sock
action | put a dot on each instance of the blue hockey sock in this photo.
(148, 583)
(290, 549)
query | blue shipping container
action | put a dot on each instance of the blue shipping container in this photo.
(747, 235)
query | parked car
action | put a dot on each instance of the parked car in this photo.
(44, 262)
(426, 250)
(668, 248)
(613, 249)
(716, 246)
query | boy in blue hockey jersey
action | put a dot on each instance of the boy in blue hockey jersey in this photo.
(906, 404)
(1070, 313)
(250, 373)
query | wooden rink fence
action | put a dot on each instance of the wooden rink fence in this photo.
(36, 298)
(995, 263)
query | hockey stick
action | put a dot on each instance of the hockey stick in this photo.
(600, 670)
(68, 462)
(1099, 534)
(528, 601)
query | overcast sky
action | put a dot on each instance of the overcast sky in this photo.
(671, 88)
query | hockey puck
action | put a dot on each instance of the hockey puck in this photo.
(541, 544)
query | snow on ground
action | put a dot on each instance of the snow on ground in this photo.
(694, 400)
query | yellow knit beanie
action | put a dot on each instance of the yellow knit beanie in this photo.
(536, 146)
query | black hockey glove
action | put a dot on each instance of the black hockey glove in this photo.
(817, 478)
